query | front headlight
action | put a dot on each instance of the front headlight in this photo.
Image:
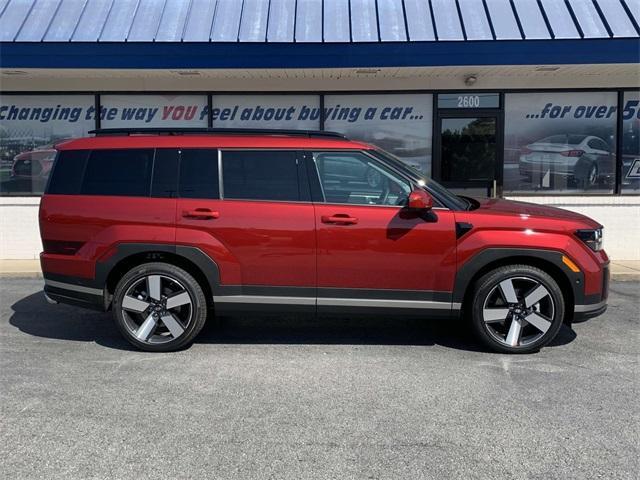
(592, 237)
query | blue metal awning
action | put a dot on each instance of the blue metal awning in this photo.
(50, 33)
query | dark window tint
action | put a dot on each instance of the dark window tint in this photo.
(165, 173)
(66, 178)
(118, 172)
(199, 173)
(260, 175)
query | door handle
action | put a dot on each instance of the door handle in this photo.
(339, 219)
(200, 214)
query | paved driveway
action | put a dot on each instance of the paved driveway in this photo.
(294, 398)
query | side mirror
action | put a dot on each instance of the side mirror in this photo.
(420, 200)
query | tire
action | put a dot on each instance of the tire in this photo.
(517, 309)
(159, 307)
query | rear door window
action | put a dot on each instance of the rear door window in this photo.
(199, 173)
(261, 175)
(125, 172)
(164, 183)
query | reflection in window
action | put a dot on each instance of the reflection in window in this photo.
(468, 149)
(30, 127)
(631, 143)
(400, 124)
(560, 142)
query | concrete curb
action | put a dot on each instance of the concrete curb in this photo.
(20, 275)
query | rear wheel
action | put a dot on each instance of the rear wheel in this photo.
(159, 307)
(517, 309)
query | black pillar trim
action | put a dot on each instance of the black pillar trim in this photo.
(97, 106)
(619, 133)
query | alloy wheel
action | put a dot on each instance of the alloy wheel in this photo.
(518, 311)
(157, 309)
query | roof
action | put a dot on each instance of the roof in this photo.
(257, 30)
(314, 20)
(209, 141)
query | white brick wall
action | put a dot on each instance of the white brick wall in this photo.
(619, 215)
(20, 239)
(19, 234)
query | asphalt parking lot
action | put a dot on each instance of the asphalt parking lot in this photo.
(293, 398)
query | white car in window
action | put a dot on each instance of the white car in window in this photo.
(585, 159)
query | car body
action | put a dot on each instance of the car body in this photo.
(33, 165)
(233, 222)
(585, 159)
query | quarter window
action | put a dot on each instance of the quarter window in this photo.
(66, 178)
(261, 175)
(353, 177)
(124, 172)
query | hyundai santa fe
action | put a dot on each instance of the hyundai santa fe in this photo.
(169, 228)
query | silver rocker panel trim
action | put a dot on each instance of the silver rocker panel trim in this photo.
(336, 302)
(72, 287)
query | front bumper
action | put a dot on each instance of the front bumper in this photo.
(584, 312)
(594, 305)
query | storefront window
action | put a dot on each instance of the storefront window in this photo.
(140, 111)
(30, 126)
(560, 142)
(631, 143)
(400, 124)
(266, 111)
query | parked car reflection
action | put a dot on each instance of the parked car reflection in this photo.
(583, 159)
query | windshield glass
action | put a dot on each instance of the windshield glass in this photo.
(442, 194)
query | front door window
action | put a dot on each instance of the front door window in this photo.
(356, 178)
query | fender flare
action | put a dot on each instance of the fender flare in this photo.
(482, 259)
(193, 254)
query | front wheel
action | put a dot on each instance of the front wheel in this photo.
(159, 307)
(517, 309)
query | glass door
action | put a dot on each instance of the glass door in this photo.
(468, 143)
(468, 153)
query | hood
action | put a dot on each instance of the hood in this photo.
(511, 207)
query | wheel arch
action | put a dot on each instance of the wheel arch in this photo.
(571, 283)
(130, 255)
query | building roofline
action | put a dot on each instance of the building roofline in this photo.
(155, 55)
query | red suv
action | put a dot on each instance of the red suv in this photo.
(167, 228)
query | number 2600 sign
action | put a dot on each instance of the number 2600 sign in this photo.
(468, 101)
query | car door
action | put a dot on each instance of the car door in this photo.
(256, 221)
(372, 252)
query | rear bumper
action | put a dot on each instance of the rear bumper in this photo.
(530, 168)
(71, 293)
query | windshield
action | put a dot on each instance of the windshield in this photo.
(442, 194)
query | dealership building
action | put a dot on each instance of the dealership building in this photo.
(533, 100)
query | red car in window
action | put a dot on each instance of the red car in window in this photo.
(166, 228)
(33, 165)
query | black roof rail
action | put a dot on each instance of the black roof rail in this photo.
(222, 131)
